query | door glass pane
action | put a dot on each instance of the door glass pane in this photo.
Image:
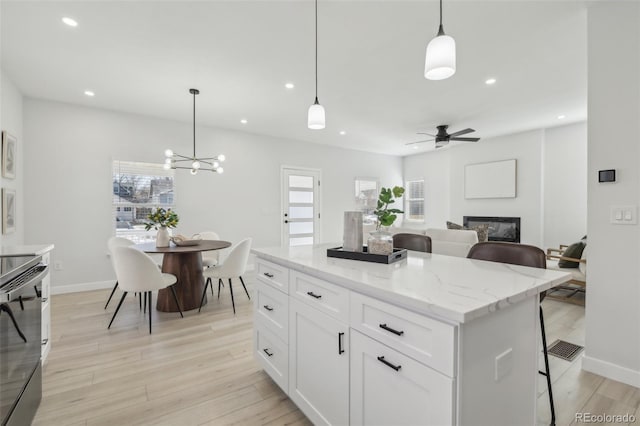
(300, 197)
(300, 228)
(300, 241)
(301, 212)
(301, 181)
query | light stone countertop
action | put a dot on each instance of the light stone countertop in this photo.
(26, 250)
(452, 288)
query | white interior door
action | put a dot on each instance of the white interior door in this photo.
(301, 206)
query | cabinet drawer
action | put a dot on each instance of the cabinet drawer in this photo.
(273, 355)
(272, 310)
(326, 297)
(273, 274)
(389, 388)
(425, 339)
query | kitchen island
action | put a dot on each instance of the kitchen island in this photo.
(429, 340)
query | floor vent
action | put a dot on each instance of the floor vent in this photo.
(565, 350)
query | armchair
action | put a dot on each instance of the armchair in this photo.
(577, 283)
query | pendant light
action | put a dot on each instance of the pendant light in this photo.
(315, 118)
(211, 164)
(440, 62)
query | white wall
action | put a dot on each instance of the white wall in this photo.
(565, 184)
(551, 184)
(70, 150)
(613, 285)
(433, 167)
(11, 121)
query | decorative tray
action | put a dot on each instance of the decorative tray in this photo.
(398, 254)
(185, 243)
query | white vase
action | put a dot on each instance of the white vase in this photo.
(162, 239)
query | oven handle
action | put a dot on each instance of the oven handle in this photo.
(16, 292)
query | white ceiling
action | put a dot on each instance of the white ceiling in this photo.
(142, 57)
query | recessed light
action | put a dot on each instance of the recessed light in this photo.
(289, 86)
(342, 132)
(490, 81)
(244, 121)
(70, 22)
(89, 93)
(562, 117)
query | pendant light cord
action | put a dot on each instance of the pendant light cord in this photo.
(194, 125)
(441, 29)
(316, 101)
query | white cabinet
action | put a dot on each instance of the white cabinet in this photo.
(45, 288)
(318, 364)
(389, 388)
(273, 354)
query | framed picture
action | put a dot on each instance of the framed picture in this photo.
(9, 151)
(8, 210)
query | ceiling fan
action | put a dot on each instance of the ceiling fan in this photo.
(442, 138)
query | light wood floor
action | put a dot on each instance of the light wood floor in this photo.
(200, 370)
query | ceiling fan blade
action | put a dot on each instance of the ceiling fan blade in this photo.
(428, 134)
(461, 132)
(413, 143)
(465, 139)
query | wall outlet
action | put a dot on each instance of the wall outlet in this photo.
(57, 265)
(503, 364)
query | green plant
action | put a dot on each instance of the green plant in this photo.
(387, 216)
(160, 218)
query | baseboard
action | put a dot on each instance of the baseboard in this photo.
(75, 288)
(611, 371)
(99, 285)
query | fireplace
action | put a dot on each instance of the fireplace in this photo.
(500, 228)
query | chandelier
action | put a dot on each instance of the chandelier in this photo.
(177, 161)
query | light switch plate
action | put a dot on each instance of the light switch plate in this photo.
(624, 215)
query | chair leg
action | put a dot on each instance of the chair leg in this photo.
(139, 296)
(547, 372)
(117, 309)
(111, 295)
(209, 282)
(204, 294)
(145, 302)
(245, 288)
(175, 297)
(219, 284)
(149, 309)
(233, 303)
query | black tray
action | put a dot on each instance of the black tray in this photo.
(398, 254)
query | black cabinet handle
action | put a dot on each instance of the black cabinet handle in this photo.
(268, 275)
(268, 308)
(388, 364)
(315, 296)
(266, 351)
(391, 330)
(340, 350)
(45, 341)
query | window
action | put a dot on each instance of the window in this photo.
(138, 189)
(366, 198)
(414, 200)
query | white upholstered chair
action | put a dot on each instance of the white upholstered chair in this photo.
(452, 242)
(112, 243)
(212, 257)
(137, 272)
(233, 266)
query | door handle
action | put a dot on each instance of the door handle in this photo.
(286, 221)
(340, 350)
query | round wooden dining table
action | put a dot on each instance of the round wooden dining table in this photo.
(185, 262)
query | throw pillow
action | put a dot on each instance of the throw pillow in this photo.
(481, 230)
(575, 251)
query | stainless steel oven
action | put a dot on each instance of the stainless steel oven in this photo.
(20, 338)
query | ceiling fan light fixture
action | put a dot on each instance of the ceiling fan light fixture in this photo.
(440, 58)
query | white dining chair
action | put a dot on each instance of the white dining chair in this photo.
(212, 257)
(233, 266)
(137, 272)
(112, 243)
